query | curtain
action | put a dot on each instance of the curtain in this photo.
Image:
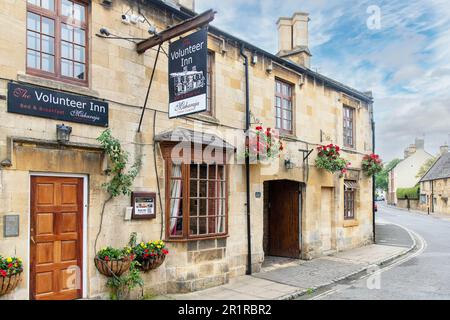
(175, 194)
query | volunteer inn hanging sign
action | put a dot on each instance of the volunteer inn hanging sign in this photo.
(188, 74)
(45, 103)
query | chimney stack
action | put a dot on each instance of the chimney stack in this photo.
(293, 39)
(420, 143)
(444, 149)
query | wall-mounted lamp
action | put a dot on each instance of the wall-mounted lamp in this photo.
(107, 3)
(105, 32)
(288, 164)
(269, 68)
(63, 133)
(254, 58)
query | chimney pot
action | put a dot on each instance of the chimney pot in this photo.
(444, 149)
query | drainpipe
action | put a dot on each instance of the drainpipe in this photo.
(373, 178)
(432, 196)
(247, 163)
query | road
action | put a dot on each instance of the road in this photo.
(424, 274)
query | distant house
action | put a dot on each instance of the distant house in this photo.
(435, 185)
(403, 175)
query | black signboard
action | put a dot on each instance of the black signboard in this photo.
(39, 102)
(188, 74)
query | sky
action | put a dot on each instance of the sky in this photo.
(402, 54)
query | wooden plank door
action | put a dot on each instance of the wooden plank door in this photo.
(56, 238)
(284, 230)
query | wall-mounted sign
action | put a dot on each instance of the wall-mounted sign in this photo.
(188, 74)
(39, 102)
(11, 226)
(144, 205)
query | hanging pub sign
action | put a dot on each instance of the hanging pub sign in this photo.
(45, 103)
(188, 74)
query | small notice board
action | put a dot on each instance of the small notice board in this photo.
(144, 205)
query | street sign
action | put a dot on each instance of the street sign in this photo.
(188, 74)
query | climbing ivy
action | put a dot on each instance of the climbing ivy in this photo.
(121, 181)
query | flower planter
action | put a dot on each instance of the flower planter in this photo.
(150, 264)
(9, 283)
(113, 267)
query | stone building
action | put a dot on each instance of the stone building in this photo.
(53, 188)
(404, 174)
(435, 186)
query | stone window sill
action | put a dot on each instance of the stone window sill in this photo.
(196, 239)
(204, 118)
(351, 223)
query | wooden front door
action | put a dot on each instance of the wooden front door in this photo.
(56, 238)
(284, 230)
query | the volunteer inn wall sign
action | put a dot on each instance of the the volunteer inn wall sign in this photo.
(40, 102)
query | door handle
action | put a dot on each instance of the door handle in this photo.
(32, 240)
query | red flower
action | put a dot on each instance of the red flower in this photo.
(132, 257)
(106, 258)
(146, 250)
(259, 128)
(3, 273)
(10, 265)
(146, 255)
(165, 251)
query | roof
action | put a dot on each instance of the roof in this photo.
(440, 170)
(196, 137)
(184, 13)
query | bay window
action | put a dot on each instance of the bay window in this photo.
(196, 200)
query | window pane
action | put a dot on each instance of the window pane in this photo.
(79, 53)
(79, 12)
(33, 40)
(79, 71)
(193, 226)
(176, 208)
(35, 2)
(176, 227)
(202, 191)
(203, 172)
(202, 209)
(66, 50)
(66, 7)
(212, 225)
(278, 124)
(48, 63)
(202, 225)
(278, 87)
(66, 68)
(48, 4)
(33, 59)
(278, 102)
(48, 45)
(33, 22)
(79, 36)
(194, 171)
(48, 26)
(194, 208)
(193, 190)
(66, 33)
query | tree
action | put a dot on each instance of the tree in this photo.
(381, 179)
(425, 167)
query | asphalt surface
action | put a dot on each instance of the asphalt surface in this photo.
(424, 274)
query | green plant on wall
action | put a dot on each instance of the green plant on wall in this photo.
(121, 181)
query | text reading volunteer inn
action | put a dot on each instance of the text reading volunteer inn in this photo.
(202, 202)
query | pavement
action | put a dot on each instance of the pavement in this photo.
(286, 279)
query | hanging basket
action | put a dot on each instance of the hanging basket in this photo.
(113, 267)
(151, 264)
(9, 283)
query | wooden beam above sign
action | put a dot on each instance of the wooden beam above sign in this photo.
(176, 31)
